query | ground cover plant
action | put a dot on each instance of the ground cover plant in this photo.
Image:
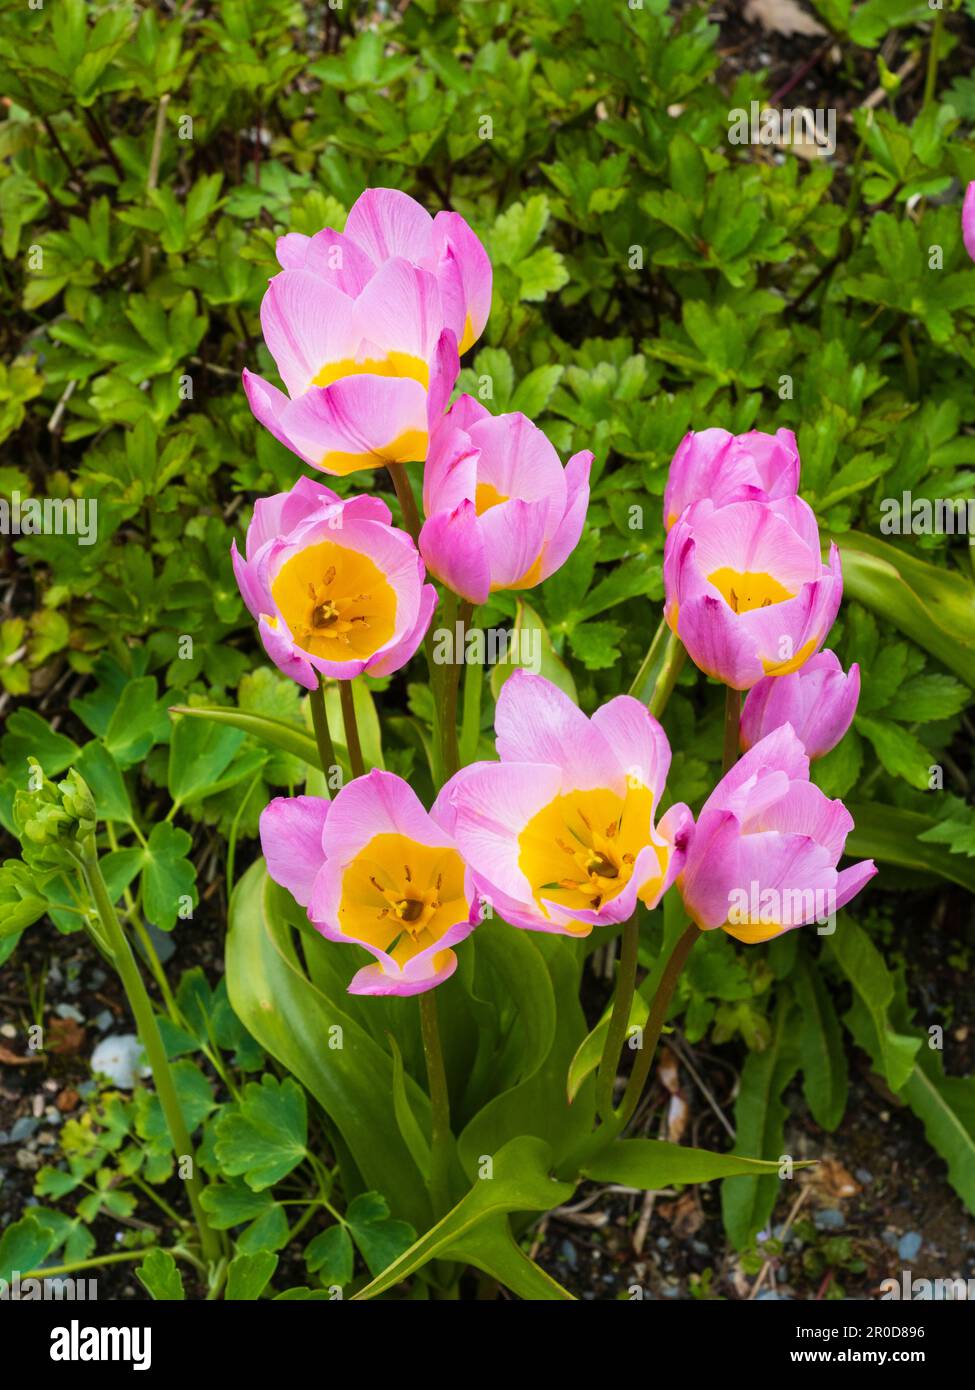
(487, 649)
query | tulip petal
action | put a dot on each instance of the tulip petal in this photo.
(359, 422)
(384, 222)
(453, 549)
(291, 840)
(637, 740)
(308, 326)
(535, 722)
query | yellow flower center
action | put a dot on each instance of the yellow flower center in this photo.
(402, 896)
(401, 364)
(336, 602)
(487, 495)
(579, 850)
(743, 590)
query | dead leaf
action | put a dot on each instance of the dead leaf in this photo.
(667, 1070)
(10, 1059)
(783, 17)
(831, 1182)
(678, 1116)
(684, 1215)
(67, 1100)
(64, 1036)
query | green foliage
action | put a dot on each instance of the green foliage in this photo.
(650, 277)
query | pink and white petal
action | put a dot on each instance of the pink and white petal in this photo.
(291, 250)
(400, 310)
(307, 325)
(257, 599)
(280, 647)
(513, 534)
(676, 829)
(776, 458)
(711, 868)
(805, 810)
(384, 222)
(518, 460)
(968, 220)
(335, 258)
(747, 788)
(637, 740)
(280, 514)
(468, 265)
(373, 979)
(466, 411)
(380, 803)
(366, 506)
(493, 803)
(569, 529)
(359, 422)
(752, 536)
(444, 371)
(850, 881)
(291, 830)
(716, 643)
(535, 722)
(450, 472)
(267, 405)
(793, 868)
(391, 658)
(453, 549)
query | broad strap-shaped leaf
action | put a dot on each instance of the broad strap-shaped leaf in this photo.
(347, 1071)
(759, 1117)
(519, 1179)
(892, 835)
(654, 1163)
(824, 1072)
(873, 991)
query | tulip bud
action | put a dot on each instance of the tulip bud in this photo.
(723, 467)
(819, 701)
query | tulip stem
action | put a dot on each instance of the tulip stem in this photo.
(326, 750)
(347, 696)
(655, 1023)
(732, 719)
(657, 676)
(404, 495)
(617, 1120)
(619, 1019)
(446, 696)
(152, 1042)
(439, 1105)
(470, 729)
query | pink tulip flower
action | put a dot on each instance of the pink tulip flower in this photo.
(502, 513)
(723, 467)
(762, 857)
(333, 587)
(746, 588)
(374, 868)
(368, 377)
(968, 220)
(560, 833)
(819, 702)
(384, 223)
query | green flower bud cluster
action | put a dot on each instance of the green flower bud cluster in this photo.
(55, 821)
